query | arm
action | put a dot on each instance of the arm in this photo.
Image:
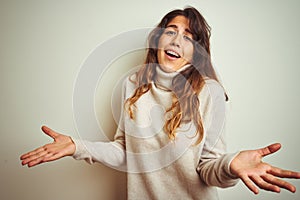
(213, 166)
(218, 169)
(110, 153)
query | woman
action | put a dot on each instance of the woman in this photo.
(170, 136)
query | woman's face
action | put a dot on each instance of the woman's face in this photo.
(175, 46)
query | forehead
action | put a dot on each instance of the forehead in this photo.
(179, 21)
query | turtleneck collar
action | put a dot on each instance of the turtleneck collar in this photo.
(164, 79)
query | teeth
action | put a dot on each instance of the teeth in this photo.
(172, 53)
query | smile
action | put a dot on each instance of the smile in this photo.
(172, 54)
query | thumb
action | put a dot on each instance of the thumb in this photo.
(49, 132)
(269, 149)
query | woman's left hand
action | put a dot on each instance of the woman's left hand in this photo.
(249, 167)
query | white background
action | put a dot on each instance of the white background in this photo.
(255, 47)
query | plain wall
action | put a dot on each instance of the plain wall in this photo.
(255, 47)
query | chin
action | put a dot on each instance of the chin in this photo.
(167, 68)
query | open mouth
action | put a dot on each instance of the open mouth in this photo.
(172, 54)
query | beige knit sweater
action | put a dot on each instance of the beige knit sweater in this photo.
(158, 168)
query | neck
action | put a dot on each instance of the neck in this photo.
(164, 79)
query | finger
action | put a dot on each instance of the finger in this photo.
(284, 173)
(35, 162)
(34, 157)
(261, 183)
(280, 183)
(49, 132)
(247, 181)
(26, 155)
(269, 149)
(40, 152)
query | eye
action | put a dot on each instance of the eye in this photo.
(170, 33)
(188, 38)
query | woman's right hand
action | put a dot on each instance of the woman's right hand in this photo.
(61, 146)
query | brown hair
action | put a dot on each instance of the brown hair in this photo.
(187, 85)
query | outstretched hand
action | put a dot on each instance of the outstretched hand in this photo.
(60, 147)
(250, 168)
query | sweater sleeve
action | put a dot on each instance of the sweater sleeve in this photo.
(214, 163)
(108, 153)
(111, 153)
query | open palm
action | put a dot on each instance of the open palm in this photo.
(60, 147)
(250, 168)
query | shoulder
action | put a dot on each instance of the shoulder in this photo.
(130, 80)
(212, 89)
(129, 84)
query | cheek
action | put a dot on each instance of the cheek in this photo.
(159, 56)
(189, 52)
(160, 51)
(161, 42)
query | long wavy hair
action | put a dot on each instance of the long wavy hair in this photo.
(187, 85)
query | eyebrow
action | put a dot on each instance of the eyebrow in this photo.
(176, 27)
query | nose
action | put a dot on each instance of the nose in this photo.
(177, 40)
